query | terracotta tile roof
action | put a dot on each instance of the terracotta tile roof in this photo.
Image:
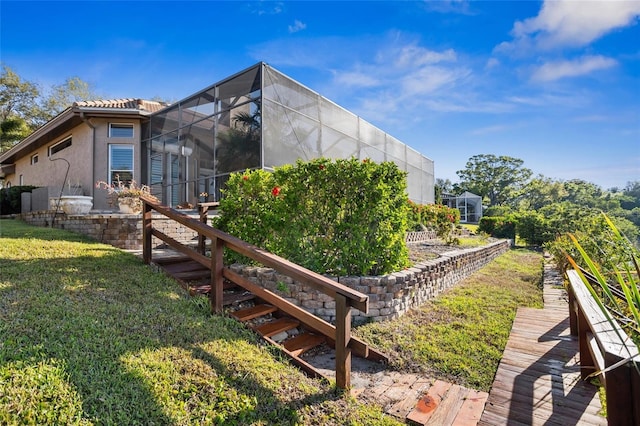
(127, 103)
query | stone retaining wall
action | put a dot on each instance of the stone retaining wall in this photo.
(390, 296)
(414, 237)
(117, 229)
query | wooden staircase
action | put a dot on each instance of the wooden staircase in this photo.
(274, 325)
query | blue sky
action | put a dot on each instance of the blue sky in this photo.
(554, 83)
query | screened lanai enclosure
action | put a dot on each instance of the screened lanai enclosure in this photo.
(260, 119)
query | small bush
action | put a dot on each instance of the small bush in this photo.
(11, 200)
(441, 219)
(534, 228)
(498, 226)
(342, 217)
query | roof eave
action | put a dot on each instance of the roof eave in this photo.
(37, 134)
(10, 155)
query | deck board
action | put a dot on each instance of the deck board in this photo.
(538, 380)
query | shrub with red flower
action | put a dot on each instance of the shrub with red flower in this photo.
(275, 191)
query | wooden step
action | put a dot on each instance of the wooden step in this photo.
(239, 297)
(277, 326)
(252, 312)
(192, 275)
(203, 287)
(190, 265)
(303, 342)
(171, 259)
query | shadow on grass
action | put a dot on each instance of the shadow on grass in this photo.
(98, 310)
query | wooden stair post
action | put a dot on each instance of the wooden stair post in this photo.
(343, 336)
(217, 280)
(146, 232)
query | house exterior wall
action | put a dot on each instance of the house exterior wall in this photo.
(101, 162)
(86, 165)
(47, 172)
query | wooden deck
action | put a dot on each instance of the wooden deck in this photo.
(538, 381)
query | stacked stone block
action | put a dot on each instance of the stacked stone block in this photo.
(119, 230)
(414, 237)
(390, 296)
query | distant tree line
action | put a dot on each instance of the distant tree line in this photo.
(540, 209)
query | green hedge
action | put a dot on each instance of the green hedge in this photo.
(498, 226)
(440, 218)
(11, 200)
(342, 217)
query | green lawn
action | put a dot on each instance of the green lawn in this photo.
(91, 335)
(460, 336)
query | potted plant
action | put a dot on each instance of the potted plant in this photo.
(72, 200)
(127, 194)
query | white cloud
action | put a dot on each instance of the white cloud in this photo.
(572, 68)
(492, 63)
(489, 130)
(448, 6)
(356, 79)
(415, 56)
(266, 7)
(569, 23)
(297, 26)
(429, 79)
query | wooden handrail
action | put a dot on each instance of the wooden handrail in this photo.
(319, 282)
(604, 344)
(344, 296)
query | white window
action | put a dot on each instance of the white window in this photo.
(59, 146)
(120, 163)
(120, 130)
(21, 180)
(34, 159)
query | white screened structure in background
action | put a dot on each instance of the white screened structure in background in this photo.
(260, 119)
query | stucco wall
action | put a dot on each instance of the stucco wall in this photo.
(85, 168)
(51, 173)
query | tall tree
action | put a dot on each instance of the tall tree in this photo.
(23, 107)
(18, 103)
(631, 193)
(499, 179)
(442, 186)
(541, 191)
(64, 95)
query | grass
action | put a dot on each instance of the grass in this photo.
(470, 226)
(91, 335)
(460, 336)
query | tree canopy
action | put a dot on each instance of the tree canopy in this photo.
(499, 179)
(24, 106)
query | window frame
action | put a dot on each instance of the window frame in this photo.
(62, 142)
(34, 159)
(121, 125)
(110, 170)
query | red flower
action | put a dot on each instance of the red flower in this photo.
(275, 191)
(245, 177)
(321, 166)
(366, 160)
